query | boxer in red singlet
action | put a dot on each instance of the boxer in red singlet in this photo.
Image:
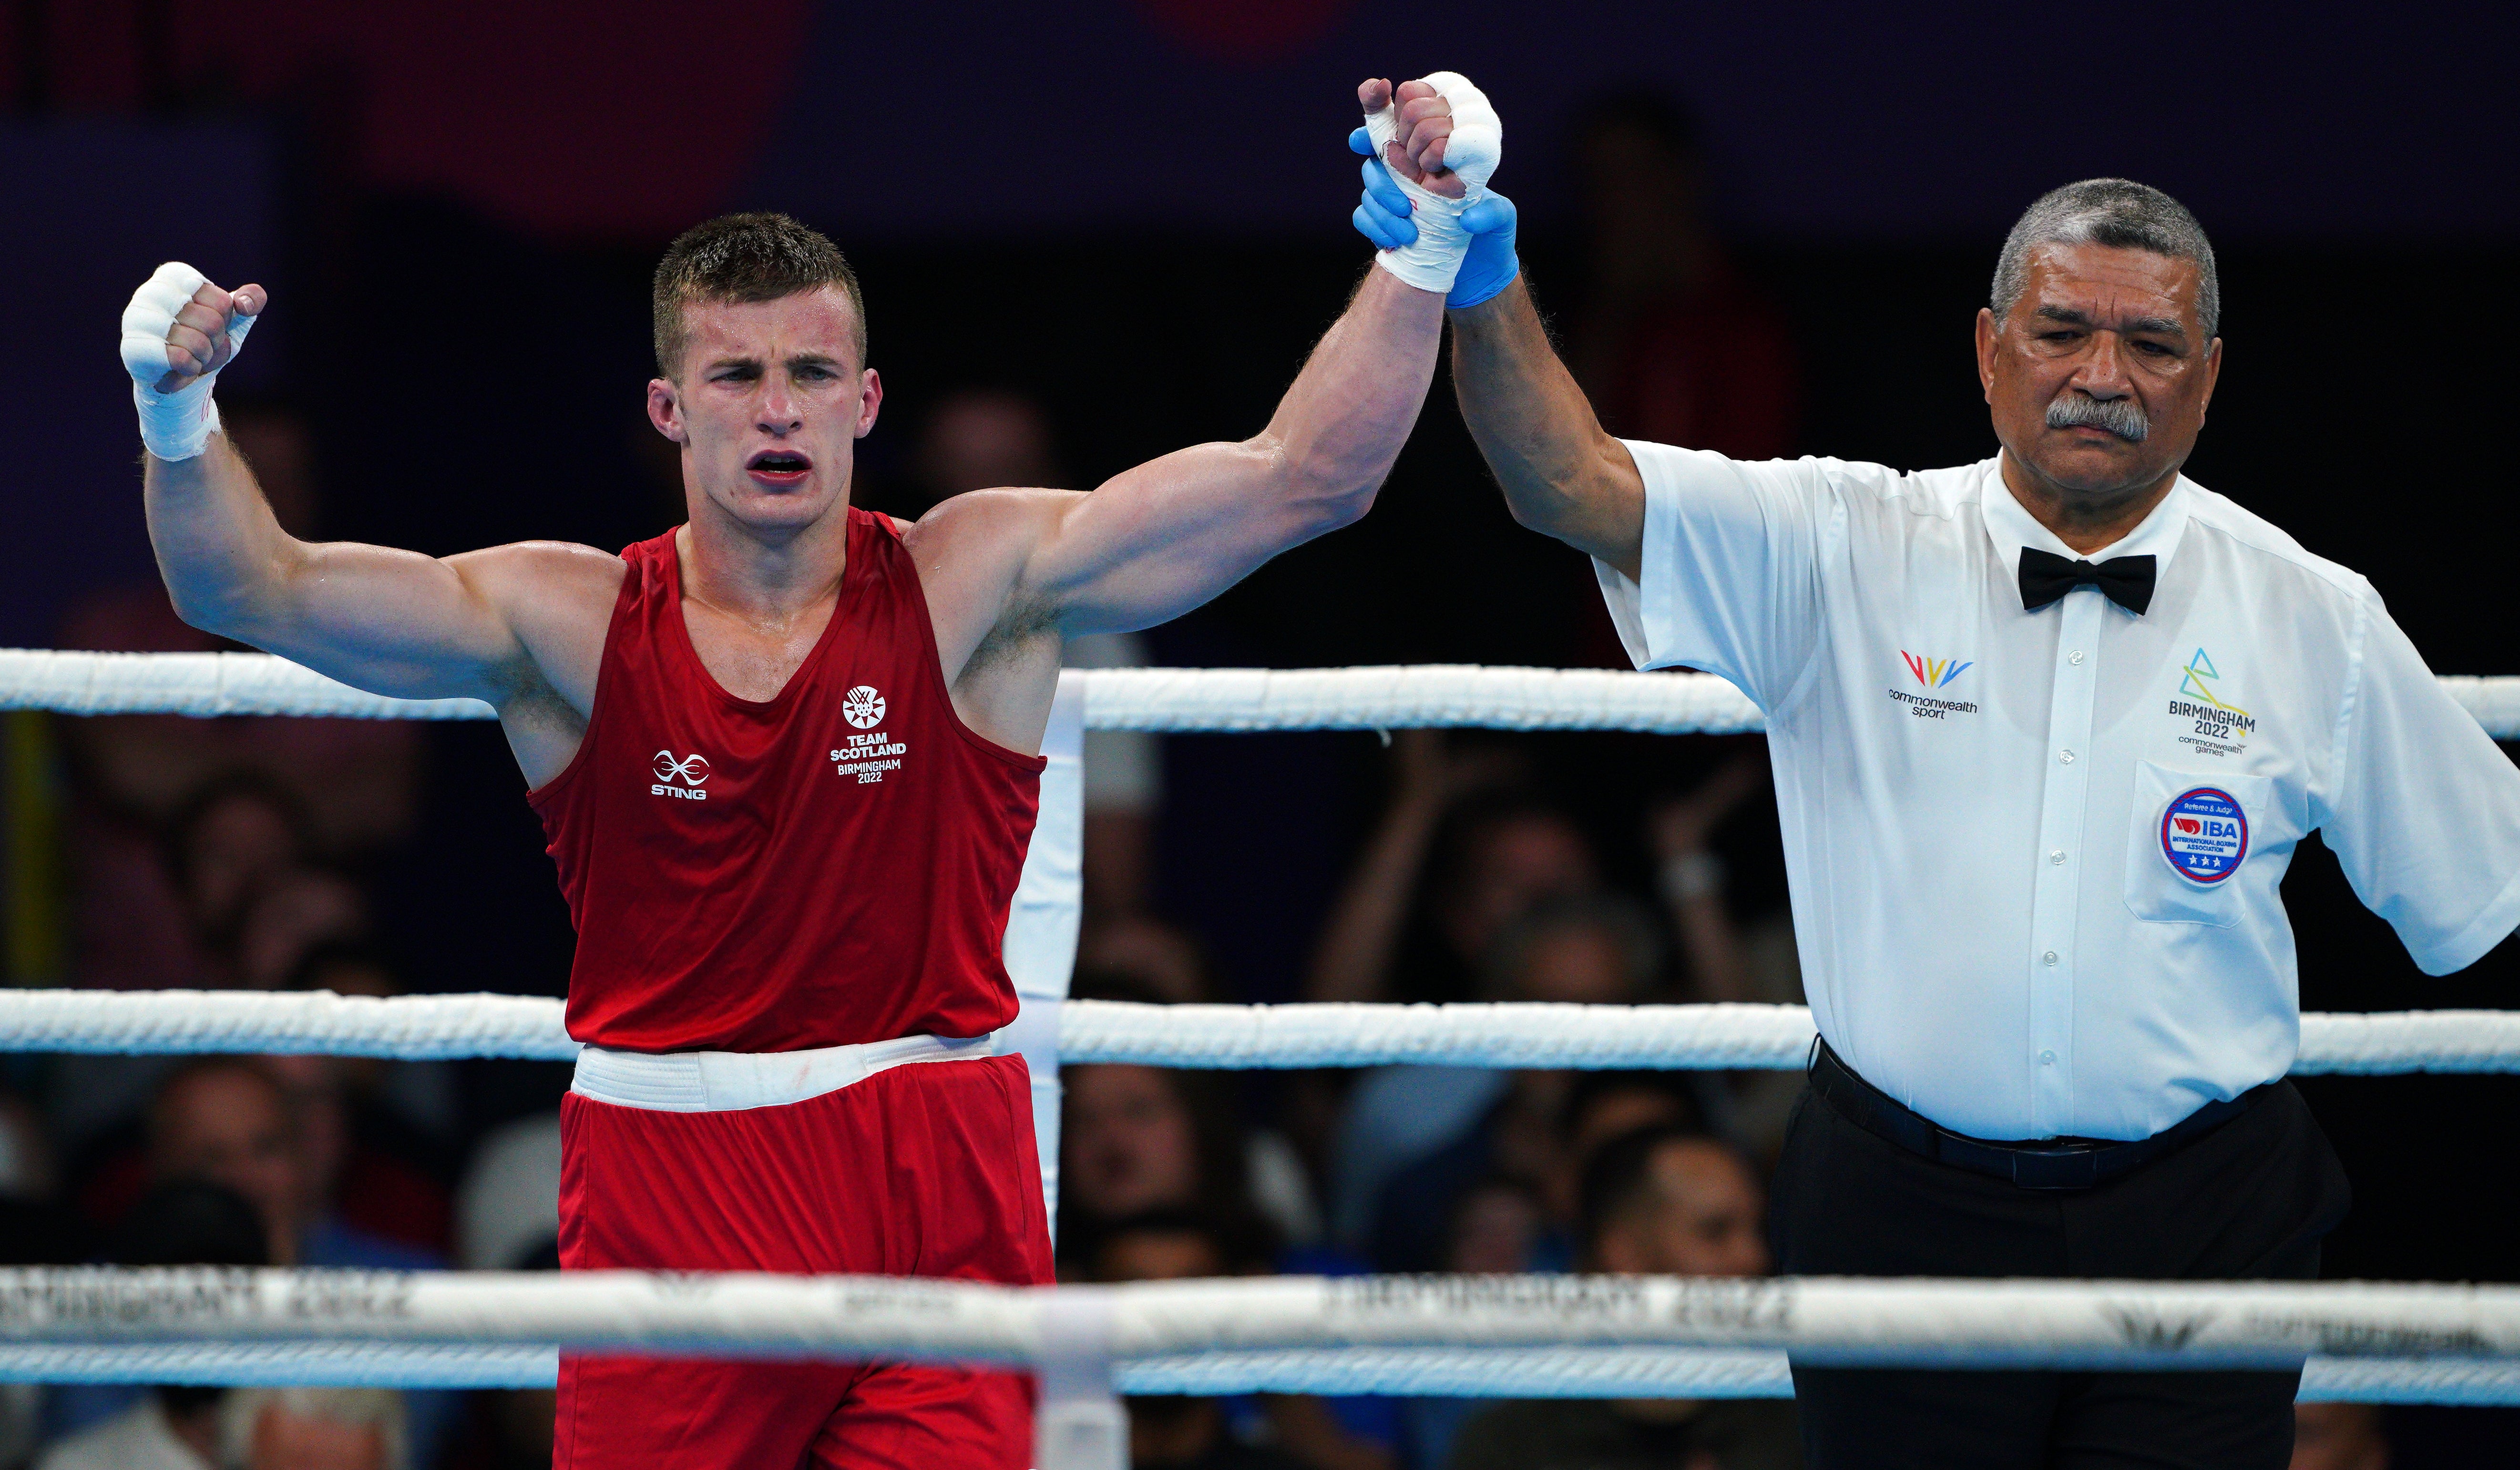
(785, 757)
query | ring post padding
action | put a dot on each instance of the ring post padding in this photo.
(1042, 921)
(1079, 1425)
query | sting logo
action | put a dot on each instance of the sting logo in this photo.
(692, 770)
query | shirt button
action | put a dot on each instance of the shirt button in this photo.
(2049, 959)
(2064, 757)
(2074, 657)
(2046, 1058)
(2058, 857)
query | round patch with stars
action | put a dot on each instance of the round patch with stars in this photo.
(2204, 835)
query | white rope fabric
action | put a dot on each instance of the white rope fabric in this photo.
(1452, 1372)
(1726, 1037)
(1730, 1038)
(1836, 1320)
(1415, 696)
(199, 684)
(1392, 697)
(414, 1028)
(291, 1365)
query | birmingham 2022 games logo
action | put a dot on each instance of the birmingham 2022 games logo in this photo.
(2221, 725)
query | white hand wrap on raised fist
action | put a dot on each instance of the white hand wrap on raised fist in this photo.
(1471, 153)
(176, 426)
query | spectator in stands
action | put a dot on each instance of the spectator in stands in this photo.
(979, 438)
(234, 1121)
(1664, 1201)
(175, 913)
(1691, 881)
(1496, 1229)
(315, 1428)
(291, 916)
(1138, 1139)
(1270, 1431)
(1724, 960)
(1503, 854)
(34, 1231)
(227, 1120)
(354, 1181)
(1593, 949)
(408, 1109)
(228, 841)
(2338, 1437)
(1602, 1106)
(180, 1223)
(1388, 940)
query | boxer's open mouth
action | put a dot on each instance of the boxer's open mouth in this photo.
(779, 467)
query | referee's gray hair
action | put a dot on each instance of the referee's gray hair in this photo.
(2119, 212)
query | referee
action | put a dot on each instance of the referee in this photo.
(2046, 730)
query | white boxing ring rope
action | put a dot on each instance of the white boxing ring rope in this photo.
(1532, 1336)
(1513, 1034)
(1536, 1336)
(1175, 700)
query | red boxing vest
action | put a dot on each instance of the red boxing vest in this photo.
(828, 868)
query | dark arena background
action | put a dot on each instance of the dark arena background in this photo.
(1088, 234)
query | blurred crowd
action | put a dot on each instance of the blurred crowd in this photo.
(244, 853)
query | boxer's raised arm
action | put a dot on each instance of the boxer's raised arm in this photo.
(1158, 540)
(1563, 474)
(391, 622)
(496, 625)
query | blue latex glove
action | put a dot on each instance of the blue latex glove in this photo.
(1383, 216)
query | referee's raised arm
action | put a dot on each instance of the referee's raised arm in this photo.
(1562, 474)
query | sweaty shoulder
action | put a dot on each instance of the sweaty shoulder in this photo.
(975, 545)
(973, 553)
(558, 597)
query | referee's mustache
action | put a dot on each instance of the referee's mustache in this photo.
(2119, 415)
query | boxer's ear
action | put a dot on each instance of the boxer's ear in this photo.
(665, 409)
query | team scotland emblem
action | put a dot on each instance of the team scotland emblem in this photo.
(862, 707)
(2204, 835)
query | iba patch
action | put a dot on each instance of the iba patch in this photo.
(2204, 835)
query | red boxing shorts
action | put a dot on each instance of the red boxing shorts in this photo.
(912, 1171)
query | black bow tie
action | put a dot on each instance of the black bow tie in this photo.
(2045, 576)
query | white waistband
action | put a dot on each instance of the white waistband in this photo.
(726, 1082)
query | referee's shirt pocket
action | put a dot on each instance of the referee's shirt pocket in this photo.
(2192, 837)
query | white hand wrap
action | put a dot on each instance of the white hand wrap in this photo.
(176, 426)
(1471, 153)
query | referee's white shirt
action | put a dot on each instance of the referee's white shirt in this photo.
(2007, 831)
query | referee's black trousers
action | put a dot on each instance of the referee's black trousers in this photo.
(2250, 1199)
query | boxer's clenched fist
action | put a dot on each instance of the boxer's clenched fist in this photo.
(1439, 139)
(1445, 135)
(178, 332)
(180, 326)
